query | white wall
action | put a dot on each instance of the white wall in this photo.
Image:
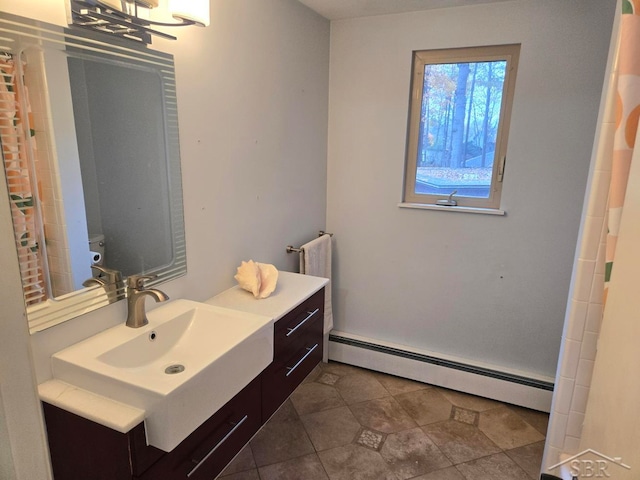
(252, 98)
(485, 288)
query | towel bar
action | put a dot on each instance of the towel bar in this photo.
(291, 248)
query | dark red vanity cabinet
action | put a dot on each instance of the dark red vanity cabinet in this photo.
(297, 349)
(205, 453)
(84, 450)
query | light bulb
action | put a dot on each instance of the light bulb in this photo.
(195, 10)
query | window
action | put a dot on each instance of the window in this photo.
(458, 125)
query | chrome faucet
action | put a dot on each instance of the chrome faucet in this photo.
(136, 293)
(108, 278)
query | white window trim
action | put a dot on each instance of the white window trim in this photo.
(510, 53)
(457, 208)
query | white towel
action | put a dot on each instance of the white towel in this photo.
(315, 260)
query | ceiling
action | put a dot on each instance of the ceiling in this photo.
(338, 9)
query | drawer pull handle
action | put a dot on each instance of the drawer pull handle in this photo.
(311, 314)
(237, 425)
(309, 351)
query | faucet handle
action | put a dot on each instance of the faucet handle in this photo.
(111, 276)
(137, 281)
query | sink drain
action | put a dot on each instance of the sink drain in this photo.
(173, 369)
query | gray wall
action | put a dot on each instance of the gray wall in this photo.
(486, 288)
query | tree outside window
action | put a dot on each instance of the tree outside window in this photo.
(461, 102)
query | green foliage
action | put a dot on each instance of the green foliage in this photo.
(22, 202)
(7, 80)
(24, 241)
(608, 270)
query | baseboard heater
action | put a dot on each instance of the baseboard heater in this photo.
(521, 390)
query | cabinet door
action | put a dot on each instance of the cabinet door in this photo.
(212, 445)
(81, 449)
(297, 350)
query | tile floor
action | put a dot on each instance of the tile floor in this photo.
(347, 423)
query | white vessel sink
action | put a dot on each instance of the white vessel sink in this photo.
(189, 361)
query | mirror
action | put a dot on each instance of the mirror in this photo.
(91, 156)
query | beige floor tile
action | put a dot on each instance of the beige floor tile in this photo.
(450, 473)
(248, 475)
(538, 420)
(285, 412)
(460, 442)
(315, 434)
(341, 369)
(359, 387)
(314, 374)
(383, 414)
(328, 378)
(331, 428)
(529, 458)
(280, 441)
(470, 402)
(411, 452)
(307, 467)
(397, 385)
(315, 397)
(506, 429)
(371, 439)
(495, 467)
(244, 461)
(354, 462)
(425, 406)
(463, 415)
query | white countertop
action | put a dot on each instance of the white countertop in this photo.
(105, 411)
(292, 289)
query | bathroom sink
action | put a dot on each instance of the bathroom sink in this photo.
(189, 361)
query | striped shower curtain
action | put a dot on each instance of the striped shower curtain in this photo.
(627, 110)
(16, 139)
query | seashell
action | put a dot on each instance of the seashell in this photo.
(248, 277)
(268, 279)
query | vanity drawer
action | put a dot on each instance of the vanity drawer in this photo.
(211, 446)
(295, 323)
(291, 365)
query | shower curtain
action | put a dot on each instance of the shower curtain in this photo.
(627, 111)
(17, 138)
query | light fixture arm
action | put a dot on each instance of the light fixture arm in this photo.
(103, 17)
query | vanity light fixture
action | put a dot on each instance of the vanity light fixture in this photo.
(136, 19)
